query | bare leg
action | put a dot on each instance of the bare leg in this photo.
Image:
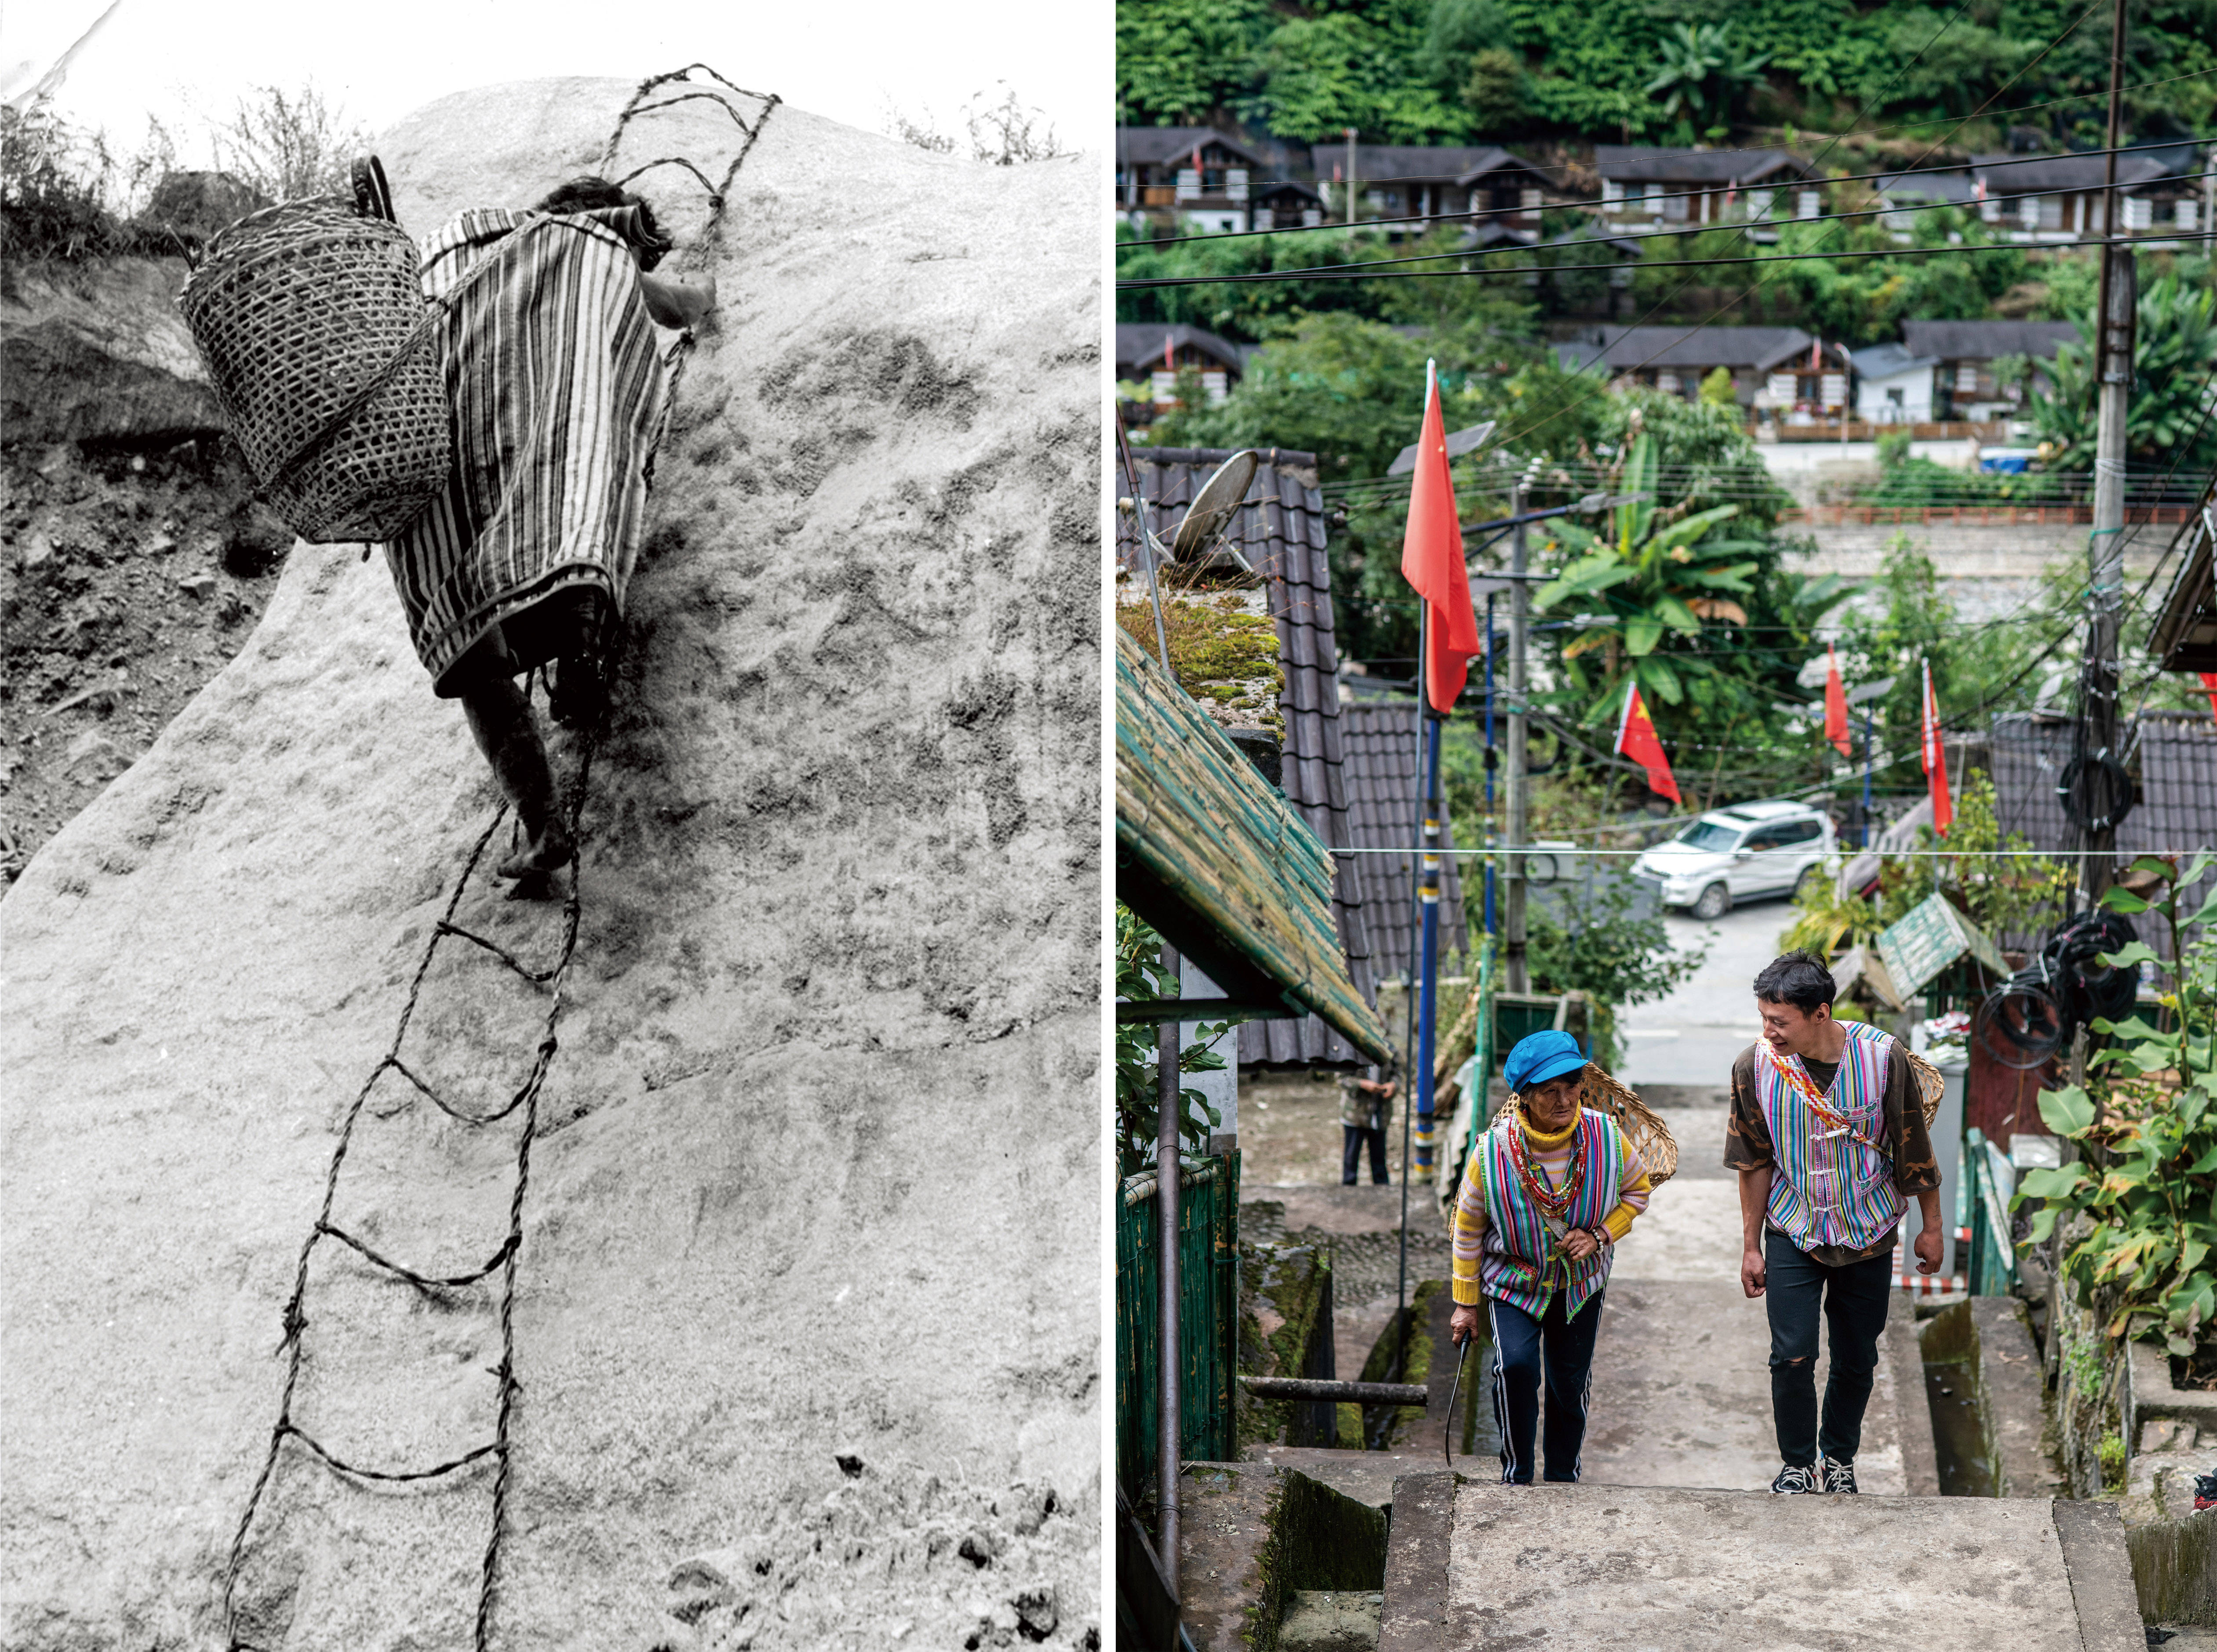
(500, 717)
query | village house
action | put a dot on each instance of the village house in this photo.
(1773, 368)
(1648, 188)
(1439, 184)
(2060, 197)
(1894, 384)
(1964, 355)
(1195, 176)
(1155, 352)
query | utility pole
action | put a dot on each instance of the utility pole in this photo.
(2105, 546)
(1512, 883)
(1349, 130)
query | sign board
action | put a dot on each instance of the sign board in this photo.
(1930, 937)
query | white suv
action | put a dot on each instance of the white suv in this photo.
(1733, 853)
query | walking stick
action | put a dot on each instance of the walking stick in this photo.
(1447, 1441)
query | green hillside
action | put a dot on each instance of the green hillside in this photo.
(1441, 71)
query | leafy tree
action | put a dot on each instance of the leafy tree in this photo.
(1717, 388)
(2174, 351)
(1140, 978)
(1589, 940)
(1493, 91)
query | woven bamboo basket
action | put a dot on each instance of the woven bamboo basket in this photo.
(321, 350)
(1930, 1085)
(1649, 1137)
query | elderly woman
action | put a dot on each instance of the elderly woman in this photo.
(1549, 1190)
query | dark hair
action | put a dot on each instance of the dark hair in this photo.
(1797, 978)
(587, 193)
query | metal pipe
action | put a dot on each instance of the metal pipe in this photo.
(1168, 1411)
(1317, 1388)
(1492, 919)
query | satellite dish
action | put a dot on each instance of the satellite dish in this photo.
(1213, 508)
(1458, 443)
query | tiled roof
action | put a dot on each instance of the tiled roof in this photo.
(1760, 348)
(1380, 737)
(1281, 532)
(2178, 784)
(1884, 361)
(2019, 175)
(2177, 762)
(1982, 341)
(1412, 163)
(1156, 145)
(1140, 344)
(1637, 162)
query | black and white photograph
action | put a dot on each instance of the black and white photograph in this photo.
(551, 828)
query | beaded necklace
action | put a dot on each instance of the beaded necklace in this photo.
(1520, 1159)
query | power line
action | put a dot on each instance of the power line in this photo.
(1512, 211)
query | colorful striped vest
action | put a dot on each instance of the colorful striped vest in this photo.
(1831, 1187)
(1519, 1262)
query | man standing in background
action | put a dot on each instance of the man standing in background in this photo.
(1366, 1106)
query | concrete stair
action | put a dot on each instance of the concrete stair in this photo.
(1472, 1566)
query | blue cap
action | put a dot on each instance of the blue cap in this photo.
(1541, 1057)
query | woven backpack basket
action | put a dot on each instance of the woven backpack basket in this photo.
(322, 351)
(1649, 1137)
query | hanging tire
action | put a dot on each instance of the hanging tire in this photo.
(1715, 901)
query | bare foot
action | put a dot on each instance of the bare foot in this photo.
(549, 852)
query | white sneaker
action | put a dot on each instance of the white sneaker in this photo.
(1794, 1481)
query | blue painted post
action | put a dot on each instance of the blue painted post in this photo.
(1490, 925)
(1428, 981)
(1866, 772)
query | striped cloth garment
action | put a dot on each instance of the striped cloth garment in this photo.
(1502, 1246)
(557, 396)
(1832, 1187)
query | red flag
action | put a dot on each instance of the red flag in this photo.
(1432, 561)
(1169, 354)
(1936, 759)
(1635, 738)
(1836, 703)
(2209, 681)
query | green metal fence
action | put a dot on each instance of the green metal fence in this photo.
(1208, 1320)
(1989, 1179)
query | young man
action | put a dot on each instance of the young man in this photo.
(1828, 1136)
(1549, 1190)
(557, 389)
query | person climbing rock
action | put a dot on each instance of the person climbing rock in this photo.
(1828, 1137)
(1366, 1106)
(1549, 1191)
(557, 390)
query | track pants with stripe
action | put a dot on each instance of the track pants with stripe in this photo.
(1555, 1352)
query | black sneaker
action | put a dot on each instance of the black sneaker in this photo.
(1794, 1479)
(1838, 1476)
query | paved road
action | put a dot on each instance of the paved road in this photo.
(1692, 1036)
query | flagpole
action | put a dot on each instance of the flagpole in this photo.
(1489, 923)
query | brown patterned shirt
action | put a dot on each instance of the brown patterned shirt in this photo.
(1901, 1115)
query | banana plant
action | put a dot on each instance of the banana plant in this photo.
(1658, 571)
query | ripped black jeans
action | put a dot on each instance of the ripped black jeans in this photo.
(1854, 1300)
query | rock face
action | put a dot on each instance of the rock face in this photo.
(806, 1323)
(97, 352)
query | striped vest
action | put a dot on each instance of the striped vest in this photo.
(1521, 1263)
(1830, 1186)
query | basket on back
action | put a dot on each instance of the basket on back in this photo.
(1649, 1137)
(319, 345)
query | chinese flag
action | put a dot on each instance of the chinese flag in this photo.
(1936, 759)
(1836, 703)
(1635, 738)
(2209, 681)
(1432, 561)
